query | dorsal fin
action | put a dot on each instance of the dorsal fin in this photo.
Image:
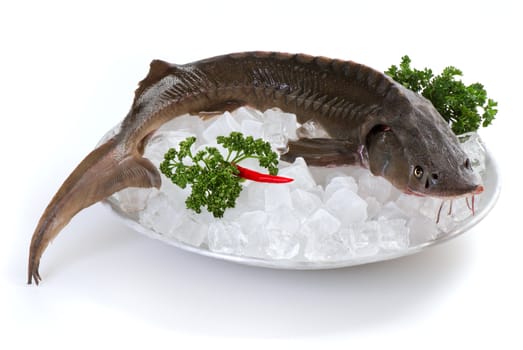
(157, 70)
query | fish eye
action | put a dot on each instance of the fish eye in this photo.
(418, 171)
(467, 164)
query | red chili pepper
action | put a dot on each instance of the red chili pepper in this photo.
(260, 177)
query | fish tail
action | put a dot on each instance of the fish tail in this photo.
(103, 172)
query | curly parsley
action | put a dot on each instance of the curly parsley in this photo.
(215, 179)
(465, 108)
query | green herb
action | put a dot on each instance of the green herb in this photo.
(214, 178)
(465, 108)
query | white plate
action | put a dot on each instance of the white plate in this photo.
(489, 197)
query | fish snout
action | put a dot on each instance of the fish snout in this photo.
(478, 190)
(445, 183)
(465, 185)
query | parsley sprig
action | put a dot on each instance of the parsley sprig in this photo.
(464, 107)
(215, 179)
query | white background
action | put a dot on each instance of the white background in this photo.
(67, 74)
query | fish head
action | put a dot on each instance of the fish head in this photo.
(420, 155)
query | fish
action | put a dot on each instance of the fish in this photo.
(371, 121)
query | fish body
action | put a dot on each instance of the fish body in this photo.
(372, 121)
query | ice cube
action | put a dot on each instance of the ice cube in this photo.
(374, 186)
(184, 123)
(446, 224)
(347, 206)
(455, 211)
(160, 143)
(282, 244)
(243, 114)
(462, 207)
(340, 182)
(221, 126)
(253, 222)
(176, 194)
(273, 133)
(430, 207)
(256, 195)
(395, 193)
(319, 230)
(324, 175)
(321, 221)
(305, 202)
(393, 234)
(312, 129)
(160, 215)
(242, 202)
(256, 245)
(410, 204)
(132, 199)
(284, 218)
(278, 122)
(391, 210)
(356, 171)
(279, 143)
(232, 214)
(300, 173)
(253, 225)
(373, 207)
(253, 128)
(289, 126)
(321, 246)
(413, 206)
(342, 171)
(227, 238)
(474, 147)
(191, 232)
(277, 195)
(363, 238)
(421, 230)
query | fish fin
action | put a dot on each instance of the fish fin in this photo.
(97, 177)
(157, 70)
(135, 172)
(323, 152)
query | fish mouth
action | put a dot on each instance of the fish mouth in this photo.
(473, 191)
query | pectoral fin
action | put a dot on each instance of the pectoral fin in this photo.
(324, 152)
(134, 172)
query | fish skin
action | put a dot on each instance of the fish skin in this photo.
(353, 103)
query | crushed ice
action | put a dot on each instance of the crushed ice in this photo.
(324, 215)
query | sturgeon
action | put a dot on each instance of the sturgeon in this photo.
(372, 121)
